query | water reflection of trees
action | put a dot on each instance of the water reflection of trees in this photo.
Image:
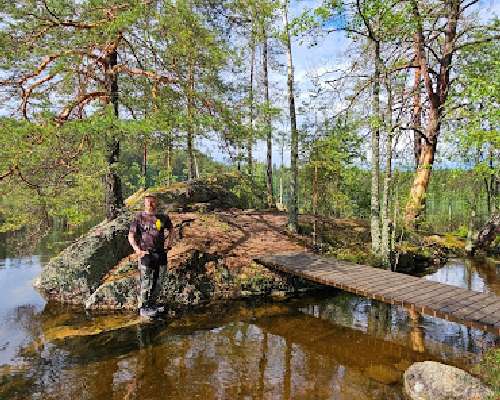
(445, 339)
(225, 354)
(42, 236)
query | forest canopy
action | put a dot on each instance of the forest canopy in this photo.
(102, 98)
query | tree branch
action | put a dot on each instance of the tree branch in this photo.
(80, 101)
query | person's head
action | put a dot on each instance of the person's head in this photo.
(150, 203)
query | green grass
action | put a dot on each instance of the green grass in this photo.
(489, 370)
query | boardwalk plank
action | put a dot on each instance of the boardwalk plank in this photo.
(479, 310)
(423, 300)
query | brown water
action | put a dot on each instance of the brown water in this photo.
(328, 346)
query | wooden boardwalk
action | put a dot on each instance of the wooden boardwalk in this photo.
(474, 309)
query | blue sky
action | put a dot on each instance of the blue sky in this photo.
(327, 54)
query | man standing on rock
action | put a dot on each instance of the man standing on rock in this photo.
(147, 238)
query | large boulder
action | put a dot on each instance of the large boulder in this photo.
(78, 270)
(486, 235)
(198, 194)
(430, 380)
(212, 259)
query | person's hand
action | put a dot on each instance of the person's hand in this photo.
(141, 253)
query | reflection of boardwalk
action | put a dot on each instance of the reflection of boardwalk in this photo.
(478, 310)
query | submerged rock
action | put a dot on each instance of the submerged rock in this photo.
(430, 380)
(385, 374)
(92, 327)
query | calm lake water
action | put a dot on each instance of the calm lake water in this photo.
(328, 346)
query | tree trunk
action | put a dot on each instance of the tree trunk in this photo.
(417, 110)
(315, 205)
(269, 128)
(492, 184)
(239, 158)
(488, 195)
(375, 144)
(169, 159)
(395, 214)
(145, 163)
(196, 169)
(416, 202)
(250, 92)
(114, 197)
(450, 215)
(293, 209)
(190, 153)
(469, 245)
(386, 223)
(437, 87)
(282, 171)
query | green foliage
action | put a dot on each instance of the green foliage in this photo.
(474, 105)
(338, 180)
(182, 70)
(489, 370)
(461, 231)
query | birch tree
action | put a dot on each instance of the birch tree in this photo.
(293, 207)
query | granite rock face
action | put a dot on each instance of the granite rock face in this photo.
(195, 195)
(430, 380)
(78, 270)
(197, 278)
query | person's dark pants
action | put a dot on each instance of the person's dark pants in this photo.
(151, 270)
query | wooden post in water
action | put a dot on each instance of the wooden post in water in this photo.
(417, 336)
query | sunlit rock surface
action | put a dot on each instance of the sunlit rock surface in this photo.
(430, 380)
(211, 260)
(199, 194)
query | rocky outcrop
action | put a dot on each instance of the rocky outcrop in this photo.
(486, 235)
(211, 259)
(199, 279)
(430, 380)
(195, 195)
(77, 271)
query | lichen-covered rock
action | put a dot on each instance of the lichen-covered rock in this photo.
(197, 278)
(198, 194)
(430, 380)
(77, 271)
